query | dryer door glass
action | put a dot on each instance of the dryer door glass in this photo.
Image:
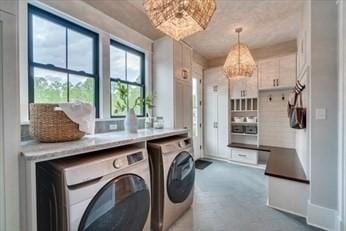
(181, 177)
(122, 204)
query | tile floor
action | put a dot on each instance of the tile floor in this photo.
(229, 197)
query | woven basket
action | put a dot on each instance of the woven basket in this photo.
(49, 125)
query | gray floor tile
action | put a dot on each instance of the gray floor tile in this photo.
(229, 197)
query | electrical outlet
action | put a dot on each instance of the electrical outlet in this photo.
(113, 127)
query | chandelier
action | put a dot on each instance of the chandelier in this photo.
(180, 18)
(239, 61)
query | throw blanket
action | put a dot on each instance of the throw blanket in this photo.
(82, 114)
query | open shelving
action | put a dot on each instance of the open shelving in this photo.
(244, 107)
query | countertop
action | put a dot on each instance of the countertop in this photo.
(36, 151)
(282, 163)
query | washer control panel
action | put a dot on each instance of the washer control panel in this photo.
(127, 160)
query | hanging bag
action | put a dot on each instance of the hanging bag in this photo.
(297, 113)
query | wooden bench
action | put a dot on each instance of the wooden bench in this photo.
(288, 186)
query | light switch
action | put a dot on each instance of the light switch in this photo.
(321, 114)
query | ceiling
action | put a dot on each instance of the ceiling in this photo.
(264, 22)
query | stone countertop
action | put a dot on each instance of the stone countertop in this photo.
(36, 151)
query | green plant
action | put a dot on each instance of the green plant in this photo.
(122, 104)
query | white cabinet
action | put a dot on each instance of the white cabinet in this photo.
(182, 55)
(216, 114)
(244, 156)
(245, 87)
(237, 87)
(268, 73)
(251, 90)
(210, 121)
(173, 92)
(278, 72)
(183, 111)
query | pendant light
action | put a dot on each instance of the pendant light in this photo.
(180, 18)
(239, 62)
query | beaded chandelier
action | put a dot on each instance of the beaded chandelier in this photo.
(239, 61)
(180, 18)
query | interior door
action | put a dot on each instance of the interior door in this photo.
(197, 112)
(122, 204)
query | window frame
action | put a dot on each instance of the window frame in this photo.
(33, 10)
(131, 50)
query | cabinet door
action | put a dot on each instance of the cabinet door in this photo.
(210, 119)
(187, 62)
(268, 72)
(177, 60)
(179, 105)
(237, 86)
(252, 86)
(224, 152)
(187, 101)
(287, 71)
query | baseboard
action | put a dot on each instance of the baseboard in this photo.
(284, 210)
(323, 218)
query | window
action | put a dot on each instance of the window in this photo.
(63, 60)
(127, 69)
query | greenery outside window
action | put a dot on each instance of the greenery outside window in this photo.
(63, 60)
(127, 68)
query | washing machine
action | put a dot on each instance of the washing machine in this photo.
(173, 176)
(106, 190)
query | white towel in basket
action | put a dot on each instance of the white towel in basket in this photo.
(82, 114)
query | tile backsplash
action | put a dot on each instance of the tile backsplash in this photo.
(101, 126)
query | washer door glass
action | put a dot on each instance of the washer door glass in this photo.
(181, 177)
(122, 204)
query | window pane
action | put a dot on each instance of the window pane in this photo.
(81, 89)
(49, 42)
(117, 102)
(117, 63)
(134, 93)
(133, 68)
(80, 52)
(50, 86)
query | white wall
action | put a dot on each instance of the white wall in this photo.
(274, 129)
(324, 95)
(85, 15)
(9, 117)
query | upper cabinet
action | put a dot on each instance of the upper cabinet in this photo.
(245, 87)
(182, 61)
(279, 72)
(172, 82)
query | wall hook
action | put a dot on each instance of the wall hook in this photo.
(270, 98)
(283, 97)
